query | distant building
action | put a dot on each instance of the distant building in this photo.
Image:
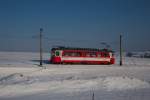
(147, 54)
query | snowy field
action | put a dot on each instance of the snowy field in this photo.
(22, 79)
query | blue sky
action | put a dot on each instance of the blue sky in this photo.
(77, 23)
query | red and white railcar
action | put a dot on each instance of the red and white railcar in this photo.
(64, 55)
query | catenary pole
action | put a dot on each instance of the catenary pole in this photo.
(93, 96)
(41, 30)
(120, 49)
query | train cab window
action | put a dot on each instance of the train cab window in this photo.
(106, 54)
(52, 53)
(57, 53)
(110, 54)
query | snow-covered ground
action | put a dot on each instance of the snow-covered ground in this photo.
(22, 79)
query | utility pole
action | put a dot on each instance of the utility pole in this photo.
(120, 49)
(93, 96)
(41, 30)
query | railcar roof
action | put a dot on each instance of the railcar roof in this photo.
(89, 49)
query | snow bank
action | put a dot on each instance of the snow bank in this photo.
(105, 83)
(124, 83)
(17, 82)
(16, 78)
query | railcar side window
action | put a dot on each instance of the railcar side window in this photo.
(66, 54)
(87, 54)
(72, 54)
(91, 54)
(98, 55)
(76, 54)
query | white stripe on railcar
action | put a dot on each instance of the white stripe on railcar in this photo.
(85, 59)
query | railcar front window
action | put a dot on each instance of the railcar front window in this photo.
(106, 55)
(57, 53)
